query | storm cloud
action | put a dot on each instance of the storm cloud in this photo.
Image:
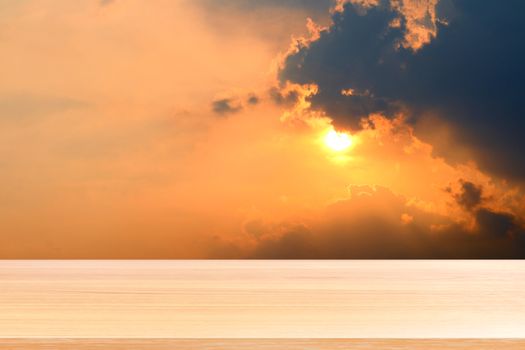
(470, 75)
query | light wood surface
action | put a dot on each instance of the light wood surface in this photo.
(262, 299)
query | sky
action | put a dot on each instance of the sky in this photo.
(262, 130)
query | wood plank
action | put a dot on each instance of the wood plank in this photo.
(262, 299)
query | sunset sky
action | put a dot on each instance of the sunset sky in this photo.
(262, 129)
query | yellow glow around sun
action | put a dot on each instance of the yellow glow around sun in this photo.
(337, 141)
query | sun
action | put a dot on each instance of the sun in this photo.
(337, 141)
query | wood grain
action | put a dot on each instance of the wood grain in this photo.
(262, 299)
(262, 344)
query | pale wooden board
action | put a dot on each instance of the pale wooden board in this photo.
(262, 344)
(263, 299)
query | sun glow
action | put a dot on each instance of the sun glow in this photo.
(337, 141)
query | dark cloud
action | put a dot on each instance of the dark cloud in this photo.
(489, 223)
(471, 74)
(495, 224)
(347, 57)
(286, 98)
(253, 100)
(225, 106)
(470, 196)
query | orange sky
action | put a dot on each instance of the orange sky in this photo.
(110, 147)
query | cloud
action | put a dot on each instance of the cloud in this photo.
(494, 224)
(235, 103)
(282, 241)
(469, 74)
(373, 223)
(286, 98)
(470, 196)
(253, 100)
(489, 223)
(225, 106)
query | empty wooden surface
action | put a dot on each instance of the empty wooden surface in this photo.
(262, 299)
